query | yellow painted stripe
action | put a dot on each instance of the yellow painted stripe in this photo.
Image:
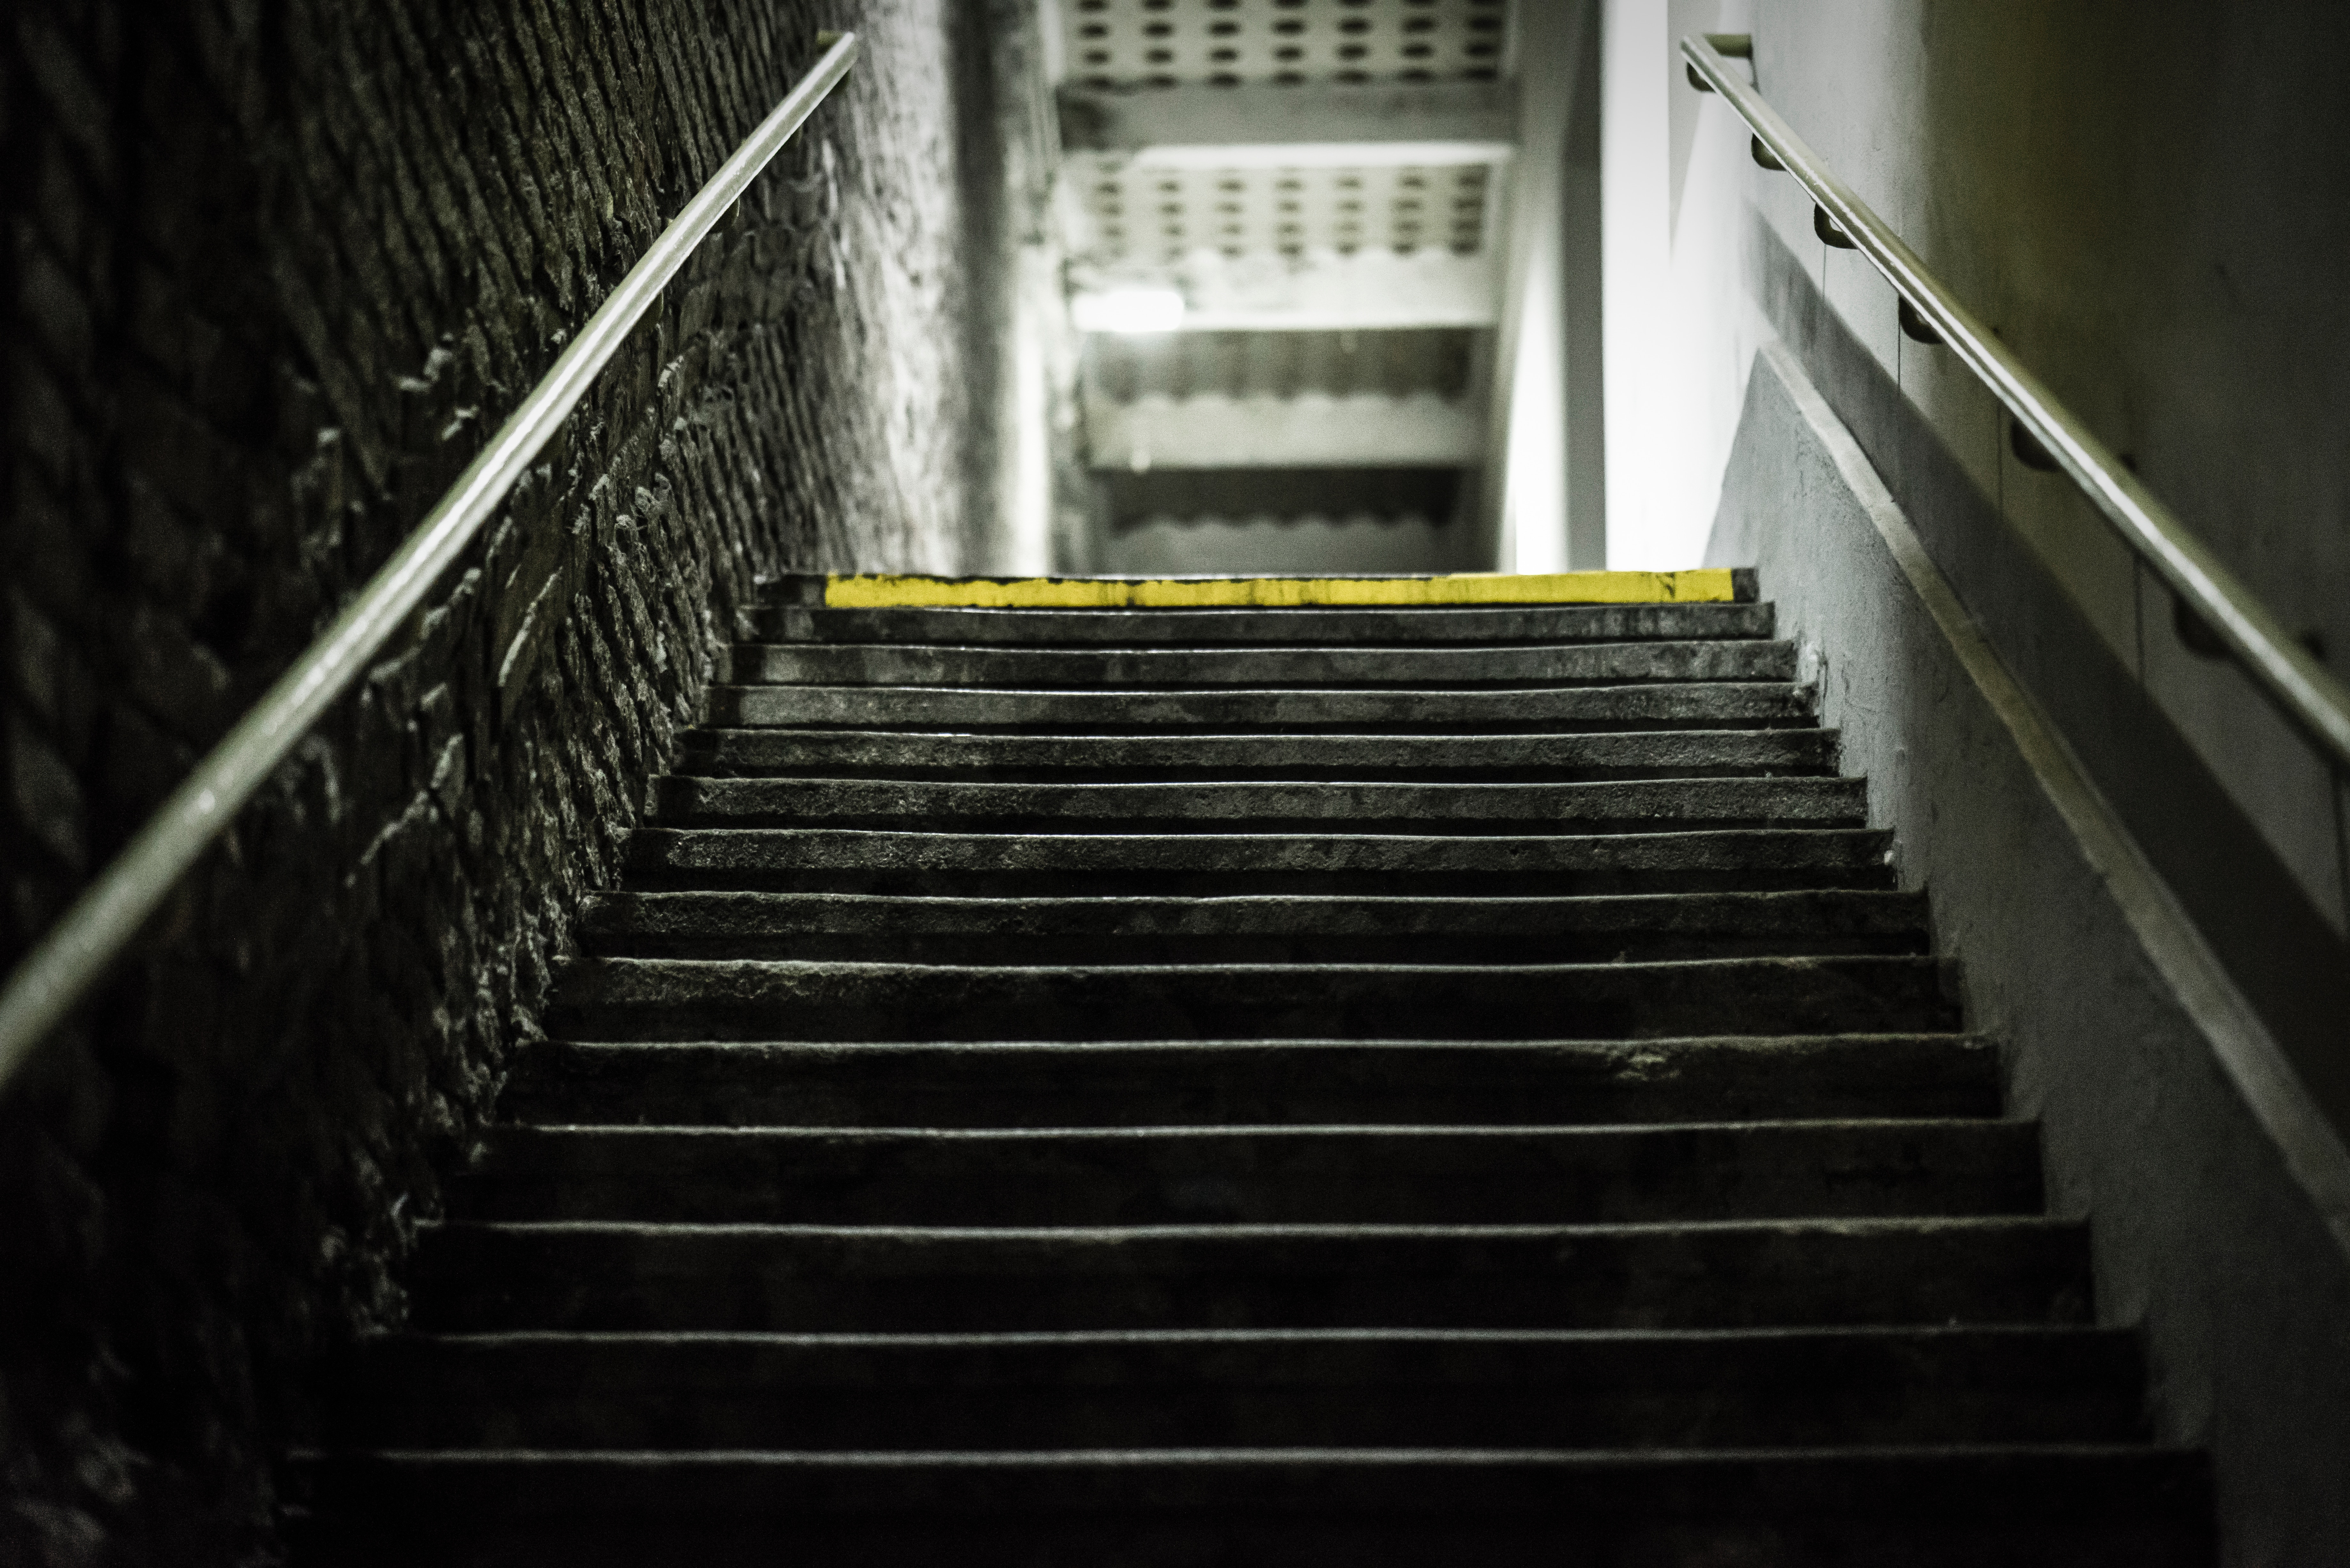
(1708, 586)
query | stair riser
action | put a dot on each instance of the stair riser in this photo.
(1250, 930)
(1673, 806)
(2159, 1533)
(1289, 627)
(481, 1278)
(1594, 1176)
(1465, 947)
(1260, 669)
(1430, 877)
(1931, 1509)
(657, 999)
(1682, 707)
(1673, 753)
(1224, 865)
(1706, 1391)
(1514, 1412)
(722, 1199)
(2171, 1535)
(1256, 1084)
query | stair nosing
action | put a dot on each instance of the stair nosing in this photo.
(1235, 1232)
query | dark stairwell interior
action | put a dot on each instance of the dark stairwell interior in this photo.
(674, 1070)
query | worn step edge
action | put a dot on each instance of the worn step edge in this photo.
(2029, 1480)
(932, 754)
(1292, 708)
(1361, 626)
(931, 665)
(685, 798)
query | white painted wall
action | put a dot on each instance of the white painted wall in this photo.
(2148, 198)
(1677, 327)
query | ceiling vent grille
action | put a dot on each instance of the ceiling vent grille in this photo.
(1138, 213)
(1239, 365)
(1291, 43)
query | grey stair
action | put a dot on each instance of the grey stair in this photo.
(1274, 628)
(604, 1275)
(782, 999)
(1189, 1083)
(1652, 805)
(1322, 1174)
(1956, 1506)
(1571, 664)
(882, 860)
(1681, 706)
(1275, 1388)
(1048, 758)
(1300, 1087)
(1275, 928)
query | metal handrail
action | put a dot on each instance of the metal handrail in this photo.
(2303, 690)
(59, 971)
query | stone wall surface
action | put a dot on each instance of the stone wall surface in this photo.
(272, 273)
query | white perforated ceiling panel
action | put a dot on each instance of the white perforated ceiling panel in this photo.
(1138, 212)
(1227, 42)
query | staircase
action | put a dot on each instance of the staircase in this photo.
(1308, 1087)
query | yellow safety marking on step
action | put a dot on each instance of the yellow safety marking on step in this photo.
(1707, 586)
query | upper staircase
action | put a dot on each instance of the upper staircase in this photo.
(1303, 1086)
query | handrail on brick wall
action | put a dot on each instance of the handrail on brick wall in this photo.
(79, 949)
(2302, 688)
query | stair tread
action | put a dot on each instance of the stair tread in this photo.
(1852, 1159)
(851, 999)
(1299, 1086)
(1157, 1081)
(1098, 1237)
(1322, 667)
(1300, 709)
(2071, 1336)
(933, 752)
(686, 798)
(1215, 628)
(867, 857)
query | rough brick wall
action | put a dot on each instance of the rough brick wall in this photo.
(272, 272)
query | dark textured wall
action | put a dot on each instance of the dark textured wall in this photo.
(273, 271)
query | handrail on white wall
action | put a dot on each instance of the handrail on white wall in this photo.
(2303, 690)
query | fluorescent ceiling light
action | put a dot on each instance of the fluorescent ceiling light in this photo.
(1129, 310)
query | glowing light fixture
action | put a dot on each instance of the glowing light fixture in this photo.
(1129, 310)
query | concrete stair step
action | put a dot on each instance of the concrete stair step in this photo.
(1686, 1389)
(1677, 706)
(1309, 627)
(1315, 1087)
(885, 860)
(1046, 758)
(768, 999)
(1641, 805)
(1319, 1175)
(1255, 1082)
(1275, 928)
(1955, 1506)
(477, 1276)
(1322, 668)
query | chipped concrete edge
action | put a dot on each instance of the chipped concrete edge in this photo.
(2313, 1153)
